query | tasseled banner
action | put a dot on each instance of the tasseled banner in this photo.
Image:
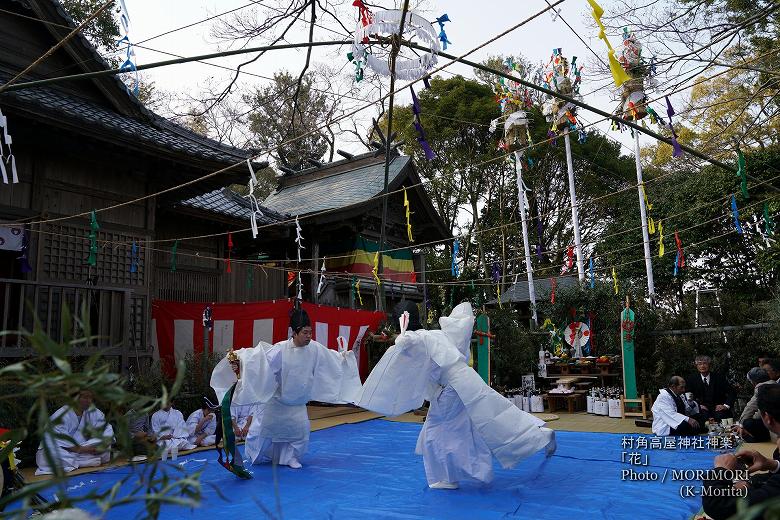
(670, 112)
(230, 251)
(742, 174)
(455, 250)
(408, 217)
(418, 126)
(735, 214)
(134, 257)
(614, 280)
(174, 249)
(375, 269)
(442, 35)
(93, 248)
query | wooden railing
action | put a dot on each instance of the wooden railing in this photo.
(107, 310)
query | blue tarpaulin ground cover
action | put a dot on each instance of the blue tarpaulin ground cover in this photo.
(369, 470)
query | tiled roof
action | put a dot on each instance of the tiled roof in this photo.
(518, 292)
(228, 203)
(338, 190)
(157, 132)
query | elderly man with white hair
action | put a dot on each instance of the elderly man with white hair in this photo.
(672, 414)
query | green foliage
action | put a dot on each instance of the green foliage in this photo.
(103, 32)
(514, 350)
(32, 389)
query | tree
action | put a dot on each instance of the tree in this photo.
(277, 118)
(103, 31)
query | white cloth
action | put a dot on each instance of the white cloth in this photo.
(243, 414)
(283, 378)
(665, 414)
(209, 428)
(90, 429)
(418, 366)
(171, 422)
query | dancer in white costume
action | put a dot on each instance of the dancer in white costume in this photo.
(467, 421)
(283, 378)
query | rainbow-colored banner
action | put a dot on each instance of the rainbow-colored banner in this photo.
(397, 265)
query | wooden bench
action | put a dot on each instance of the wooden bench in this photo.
(570, 402)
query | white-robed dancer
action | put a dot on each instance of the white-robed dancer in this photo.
(283, 378)
(468, 421)
(80, 438)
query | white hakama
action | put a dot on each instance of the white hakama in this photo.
(433, 365)
(296, 375)
(171, 422)
(209, 428)
(80, 431)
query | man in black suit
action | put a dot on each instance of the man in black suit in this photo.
(722, 495)
(713, 393)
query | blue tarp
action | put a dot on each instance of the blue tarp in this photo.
(369, 470)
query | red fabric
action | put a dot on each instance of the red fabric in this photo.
(243, 317)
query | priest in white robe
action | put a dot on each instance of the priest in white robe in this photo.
(670, 413)
(170, 429)
(283, 378)
(81, 438)
(242, 418)
(202, 426)
(468, 422)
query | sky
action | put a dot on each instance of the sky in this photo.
(472, 23)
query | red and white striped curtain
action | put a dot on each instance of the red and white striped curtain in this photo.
(177, 328)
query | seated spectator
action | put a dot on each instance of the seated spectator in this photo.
(202, 426)
(751, 427)
(670, 413)
(713, 393)
(763, 357)
(169, 428)
(719, 502)
(80, 438)
(242, 417)
(772, 367)
(141, 432)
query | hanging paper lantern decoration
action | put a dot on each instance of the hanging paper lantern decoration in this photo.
(387, 24)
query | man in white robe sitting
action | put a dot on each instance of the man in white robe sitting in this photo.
(170, 429)
(671, 415)
(80, 438)
(202, 426)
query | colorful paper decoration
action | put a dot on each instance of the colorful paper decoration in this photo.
(408, 217)
(357, 289)
(7, 160)
(429, 154)
(24, 261)
(230, 251)
(454, 268)
(174, 250)
(558, 77)
(298, 237)
(648, 207)
(442, 35)
(386, 24)
(670, 112)
(633, 100)
(375, 269)
(679, 262)
(253, 203)
(735, 214)
(322, 278)
(93, 248)
(300, 286)
(661, 248)
(290, 278)
(742, 174)
(618, 73)
(134, 257)
(124, 31)
(553, 286)
(592, 277)
(614, 280)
